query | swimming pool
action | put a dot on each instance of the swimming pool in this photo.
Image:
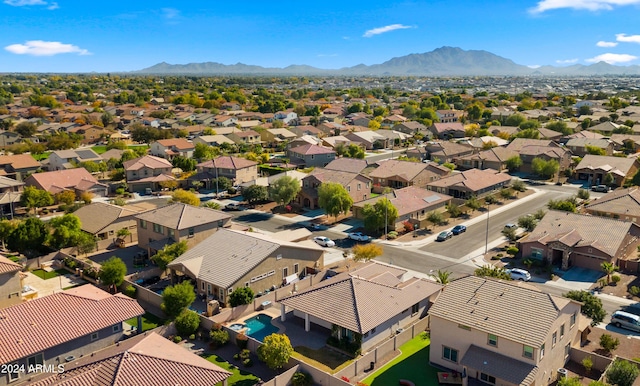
(237, 326)
(259, 326)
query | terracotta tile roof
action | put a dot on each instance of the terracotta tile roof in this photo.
(500, 366)
(362, 302)
(577, 230)
(340, 177)
(311, 150)
(7, 265)
(406, 170)
(19, 161)
(443, 127)
(182, 216)
(179, 143)
(148, 161)
(148, 359)
(488, 305)
(35, 326)
(473, 179)
(228, 162)
(410, 199)
(68, 178)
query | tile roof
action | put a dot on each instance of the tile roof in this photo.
(147, 359)
(584, 142)
(473, 179)
(624, 202)
(182, 216)
(443, 127)
(228, 162)
(6, 182)
(340, 177)
(410, 199)
(447, 148)
(19, 161)
(46, 322)
(311, 149)
(495, 154)
(578, 230)
(179, 143)
(99, 215)
(406, 170)
(7, 265)
(518, 143)
(61, 179)
(488, 305)
(217, 139)
(500, 366)
(148, 161)
(238, 252)
(362, 299)
(607, 163)
(352, 165)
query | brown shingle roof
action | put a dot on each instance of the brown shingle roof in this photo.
(405, 169)
(473, 179)
(352, 165)
(179, 143)
(607, 163)
(228, 162)
(410, 199)
(311, 149)
(98, 215)
(58, 179)
(46, 322)
(622, 202)
(147, 161)
(182, 216)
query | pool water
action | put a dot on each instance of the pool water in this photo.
(259, 326)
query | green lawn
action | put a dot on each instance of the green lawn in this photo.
(328, 360)
(239, 378)
(412, 365)
(42, 274)
(149, 322)
(40, 157)
(99, 149)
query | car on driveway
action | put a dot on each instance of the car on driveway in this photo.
(234, 206)
(358, 236)
(458, 229)
(324, 241)
(444, 235)
(316, 227)
(600, 188)
(519, 274)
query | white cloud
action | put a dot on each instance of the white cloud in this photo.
(25, 3)
(602, 43)
(589, 5)
(42, 48)
(381, 30)
(567, 61)
(534, 66)
(628, 38)
(612, 58)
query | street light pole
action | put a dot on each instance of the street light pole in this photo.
(386, 220)
(486, 238)
(216, 168)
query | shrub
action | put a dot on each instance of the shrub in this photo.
(177, 339)
(120, 191)
(130, 291)
(219, 337)
(587, 363)
(634, 290)
(407, 226)
(495, 257)
(512, 251)
(609, 343)
(615, 279)
(392, 235)
(247, 362)
(301, 379)
(622, 373)
(192, 337)
(187, 322)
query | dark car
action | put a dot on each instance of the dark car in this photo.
(458, 229)
(445, 235)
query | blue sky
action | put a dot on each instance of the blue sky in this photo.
(110, 36)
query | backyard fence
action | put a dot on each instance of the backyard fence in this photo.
(600, 362)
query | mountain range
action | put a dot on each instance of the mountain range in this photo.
(443, 61)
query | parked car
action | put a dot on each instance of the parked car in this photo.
(519, 274)
(324, 241)
(458, 229)
(234, 206)
(316, 227)
(600, 188)
(444, 235)
(510, 226)
(626, 320)
(358, 236)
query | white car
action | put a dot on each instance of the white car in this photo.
(519, 274)
(324, 241)
(358, 236)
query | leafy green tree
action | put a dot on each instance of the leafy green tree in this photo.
(591, 305)
(492, 271)
(334, 199)
(527, 222)
(375, 215)
(515, 120)
(221, 183)
(473, 203)
(560, 127)
(275, 351)
(544, 168)
(202, 151)
(622, 373)
(563, 205)
(6, 228)
(112, 272)
(240, 296)
(609, 343)
(185, 197)
(28, 237)
(454, 210)
(33, 198)
(505, 193)
(66, 197)
(26, 129)
(608, 179)
(595, 150)
(443, 277)
(435, 218)
(184, 163)
(85, 243)
(187, 322)
(169, 253)
(177, 298)
(284, 190)
(66, 230)
(583, 194)
(255, 193)
(513, 163)
(518, 185)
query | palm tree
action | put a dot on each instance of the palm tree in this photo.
(608, 268)
(442, 277)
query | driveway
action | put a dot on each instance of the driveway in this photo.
(126, 254)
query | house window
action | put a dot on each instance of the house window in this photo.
(486, 378)
(567, 348)
(296, 267)
(172, 233)
(492, 340)
(143, 224)
(32, 362)
(220, 223)
(542, 351)
(158, 228)
(527, 351)
(348, 188)
(562, 331)
(202, 285)
(278, 257)
(329, 155)
(415, 308)
(230, 290)
(13, 371)
(462, 326)
(191, 231)
(573, 320)
(313, 156)
(554, 339)
(285, 272)
(94, 336)
(373, 331)
(359, 187)
(116, 328)
(450, 354)
(246, 283)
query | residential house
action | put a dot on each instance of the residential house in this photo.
(508, 131)
(351, 165)
(238, 170)
(212, 140)
(413, 204)
(225, 120)
(445, 151)
(359, 119)
(549, 134)
(581, 146)
(629, 143)
(287, 117)
(623, 204)
(357, 185)
(336, 141)
(331, 128)
(230, 259)
(9, 138)
(581, 134)
(392, 120)
(304, 140)
(70, 159)
(395, 138)
(272, 137)
(369, 139)
(58, 328)
(594, 169)
(10, 283)
(545, 149)
(112, 154)
(310, 155)
(146, 359)
(147, 172)
(400, 174)
(169, 148)
(18, 166)
(447, 130)
(411, 128)
(78, 180)
(469, 183)
(306, 130)
(10, 194)
(449, 116)
(567, 240)
(372, 302)
(484, 329)
(177, 222)
(247, 137)
(494, 158)
(269, 179)
(90, 134)
(605, 128)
